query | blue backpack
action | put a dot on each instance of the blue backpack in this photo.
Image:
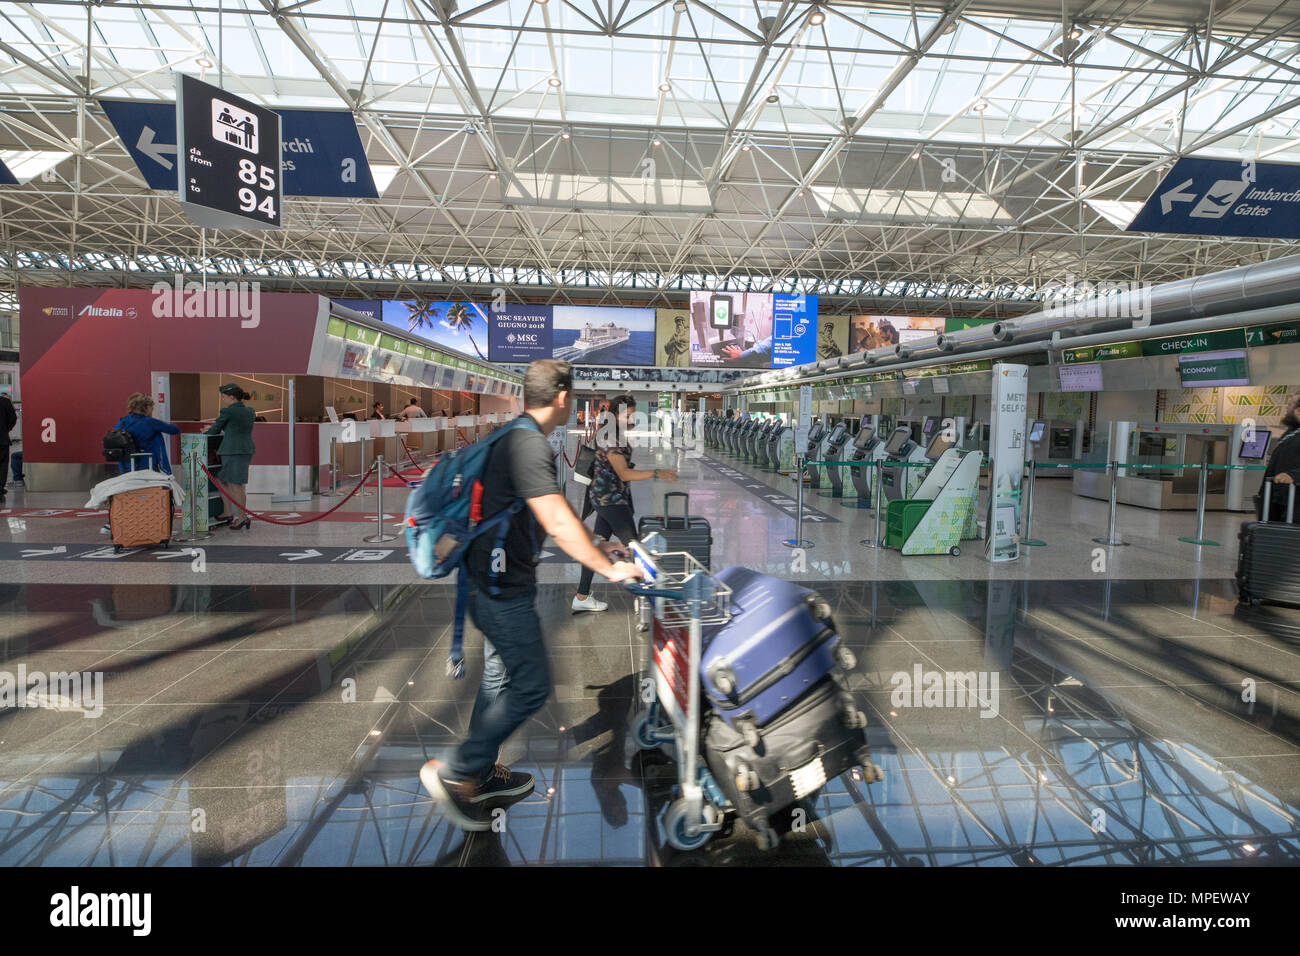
(444, 515)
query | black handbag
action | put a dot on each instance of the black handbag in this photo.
(584, 464)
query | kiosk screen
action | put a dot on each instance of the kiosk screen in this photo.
(1254, 450)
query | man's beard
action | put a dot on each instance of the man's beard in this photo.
(1290, 421)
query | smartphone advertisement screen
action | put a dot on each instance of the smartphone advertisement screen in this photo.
(794, 330)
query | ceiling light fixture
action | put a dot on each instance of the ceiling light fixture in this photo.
(203, 63)
(1076, 33)
(981, 106)
(817, 17)
(665, 87)
(679, 6)
(554, 81)
(492, 175)
(916, 155)
(565, 133)
(655, 141)
(773, 98)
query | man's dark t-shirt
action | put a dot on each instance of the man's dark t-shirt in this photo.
(522, 465)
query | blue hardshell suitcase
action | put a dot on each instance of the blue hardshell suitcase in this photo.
(779, 643)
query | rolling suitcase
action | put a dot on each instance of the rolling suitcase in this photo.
(684, 532)
(1267, 553)
(141, 517)
(809, 744)
(779, 643)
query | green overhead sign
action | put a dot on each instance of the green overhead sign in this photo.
(1197, 342)
(953, 324)
(1282, 333)
(336, 327)
(356, 333)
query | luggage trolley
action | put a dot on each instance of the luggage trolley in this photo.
(673, 607)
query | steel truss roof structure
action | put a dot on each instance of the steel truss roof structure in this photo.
(889, 155)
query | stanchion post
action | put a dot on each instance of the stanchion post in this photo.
(1290, 503)
(363, 493)
(1110, 540)
(1027, 538)
(380, 534)
(293, 450)
(874, 542)
(1200, 538)
(797, 541)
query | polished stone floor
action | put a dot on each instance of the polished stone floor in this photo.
(270, 701)
(274, 725)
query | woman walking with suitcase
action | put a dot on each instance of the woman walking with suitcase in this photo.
(608, 494)
(235, 426)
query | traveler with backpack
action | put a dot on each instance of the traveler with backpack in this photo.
(235, 426)
(146, 434)
(138, 433)
(492, 536)
(608, 494)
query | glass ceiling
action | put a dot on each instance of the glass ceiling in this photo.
(990, 80)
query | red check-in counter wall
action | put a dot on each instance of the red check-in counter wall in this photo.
(85, 351)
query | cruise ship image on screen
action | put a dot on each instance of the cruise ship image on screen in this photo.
(593, 339)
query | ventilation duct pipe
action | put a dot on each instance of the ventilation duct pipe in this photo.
(1244, 288)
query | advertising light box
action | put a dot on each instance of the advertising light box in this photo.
(794, 330)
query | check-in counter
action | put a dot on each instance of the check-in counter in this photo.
(269, 471)
(358, 443)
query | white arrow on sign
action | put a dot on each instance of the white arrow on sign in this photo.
(1174, 195)
(34, 552)
(154, 151)
(300, 555)
(545, 554)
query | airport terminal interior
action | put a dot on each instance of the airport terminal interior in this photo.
(979, 319)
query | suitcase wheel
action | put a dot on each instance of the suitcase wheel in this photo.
(819, 609)
(117, 549)
(845, 658)
(166, 543)
(751, 735)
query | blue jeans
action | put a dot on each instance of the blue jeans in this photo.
(516, 680)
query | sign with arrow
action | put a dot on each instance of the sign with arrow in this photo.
(300, 555)
(321, 152)
(1225, 197)
(40, 552)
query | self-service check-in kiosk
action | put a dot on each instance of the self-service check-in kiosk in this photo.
(816, 432)
(898, 482)
(832, 448)
(779, 436)
(758, 442)
(866, 447)
(737, 431)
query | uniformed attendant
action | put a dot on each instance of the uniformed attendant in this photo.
(235, 426)
(1283, 466)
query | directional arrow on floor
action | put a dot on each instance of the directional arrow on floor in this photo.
(545, 554)
(300, 555)
(88, 514)
(164, 555)
(287, 514)
(34, 552)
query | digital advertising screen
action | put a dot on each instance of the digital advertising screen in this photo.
(794, 330)
(459, 326)
(519, 332)
(877, 331)
(746, 344)
(601, 335)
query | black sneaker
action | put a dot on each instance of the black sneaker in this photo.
(504, 787)
(457, 799)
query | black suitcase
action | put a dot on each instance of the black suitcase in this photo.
(813, 741)
(1268, 558)
(683, 532)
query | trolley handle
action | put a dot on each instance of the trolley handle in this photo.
(645, 590)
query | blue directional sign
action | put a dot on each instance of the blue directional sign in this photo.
(6, 177)
(321, 151)
(1225, 197)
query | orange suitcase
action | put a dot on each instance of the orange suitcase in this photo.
(141, 517)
